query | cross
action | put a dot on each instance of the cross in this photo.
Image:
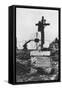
(41, 25)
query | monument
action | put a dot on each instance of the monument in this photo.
(42, 57)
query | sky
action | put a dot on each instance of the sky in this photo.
(26, 28)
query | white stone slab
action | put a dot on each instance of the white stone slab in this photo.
(40, 53)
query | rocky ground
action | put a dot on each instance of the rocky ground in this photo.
(26, 72)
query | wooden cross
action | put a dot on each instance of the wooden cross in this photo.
(41, 25)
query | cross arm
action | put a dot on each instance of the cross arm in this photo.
(46, 24)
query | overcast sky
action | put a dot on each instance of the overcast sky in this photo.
(26, 29)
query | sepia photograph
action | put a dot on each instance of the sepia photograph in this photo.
(37, 45)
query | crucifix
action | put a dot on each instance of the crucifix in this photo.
(41, 25)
